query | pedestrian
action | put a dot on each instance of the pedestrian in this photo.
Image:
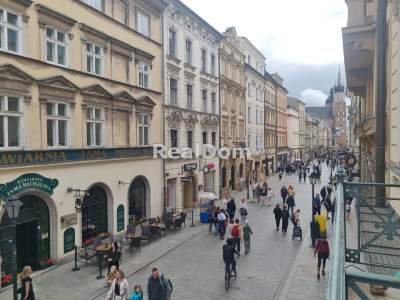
(111, 275)
(26, 284)
(270, 197)
(243, 210)
(322, 249)
(278, 215)
(231, 208)
(246, 236)
(333, 200)
(221, 224)
(304, 175)
(348, 209)
(300, 175)
(264, 193)
(323, 193)
(211, 212)
(113, 257)
(285, 218)
(296, 218)
(158, 286)
(284, 194)
(290, 202)
(280, 175)
(216, 225)
(316, 204)
(328, 205)
(236, 234)
(258, 193)
(119, 288)
(137, 293)
(254, 187)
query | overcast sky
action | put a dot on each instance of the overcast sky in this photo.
(301, 39)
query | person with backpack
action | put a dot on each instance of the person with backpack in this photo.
(236, 234)
(285, 218)
(243, 210)
(278, 215)
(322, 249)
(246, 236)
(158, 286)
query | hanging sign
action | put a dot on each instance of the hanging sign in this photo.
(26, 183)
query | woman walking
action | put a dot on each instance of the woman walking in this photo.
(246, 236)
(113, 257)
(119, 287)
(322, 249)
(278, 215)
(26, 284)
(243, 210)
(284, 193)
(285, 219)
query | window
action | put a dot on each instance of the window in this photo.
(94, 56)
(189, 96)
(143, 126)
(204, 137)
(257, 116)
(144, 72)
(214, 138)
(189, 51)
(204, 60)
(249, 115)
(213, 103)
(257, 142)
(142, 23)
(204, 98)
(249, 140)
(173, 92)
(10, 122)
(10, 31)
(172, 42)
(94, 126)
(190, 139)
(249, 59)
(56, 46)
(213, 64)
(248, 89)
(94, 3)
(174, 138)
(57, 124)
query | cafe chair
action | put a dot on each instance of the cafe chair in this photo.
(183, 218)
(152, 221)
(177, 224)
(136, 242)
(146, 234)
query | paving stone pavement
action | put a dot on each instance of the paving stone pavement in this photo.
(192, 259)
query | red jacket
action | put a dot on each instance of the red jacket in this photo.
(322, 247)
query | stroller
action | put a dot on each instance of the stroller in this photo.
(297, 232)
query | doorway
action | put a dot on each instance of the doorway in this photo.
(232, 177)
(27, 245)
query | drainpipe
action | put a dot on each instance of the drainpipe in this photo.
(220, 118)
(165, 195)
(276, 130)
(381, 101)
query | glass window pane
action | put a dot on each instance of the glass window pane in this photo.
(97, 113)
(12, 19)
(12, 36)
(89, 133)
(89, 63)
(2, 131)
(1, 37)
(13, 131)
(50, 109)
(97, 50)
(62, 133)
(89, 113)
(146, 136)
(61, 54)
(50, 50)
(140, 135)
(62, 109)
(98, 133)
(49, 32)
(2, 104)
(61, 36)
(89, 47)
(1, 14)
(97, 65)
(13, 104)
(50, 136)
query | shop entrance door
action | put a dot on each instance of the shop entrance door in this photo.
(27, 245)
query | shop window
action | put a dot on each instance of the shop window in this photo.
(10, 122)
(137, 199)
(69, 240)
(10, 31)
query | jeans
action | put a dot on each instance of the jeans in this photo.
(242, 218)
(222, 229)
(278, 222)
(230, 266)
(236, 243)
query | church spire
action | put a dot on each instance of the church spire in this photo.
(339, 79)
(339, 87)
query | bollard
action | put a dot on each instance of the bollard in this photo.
(75, 260)
(192, 218)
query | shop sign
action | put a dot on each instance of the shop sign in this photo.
(190, 167)
(120, 218)
(69, 220)
(69, 240)
(26, 183)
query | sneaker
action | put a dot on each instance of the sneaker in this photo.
(323, 272)
(318, 276)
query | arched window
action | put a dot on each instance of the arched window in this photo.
(137, 199)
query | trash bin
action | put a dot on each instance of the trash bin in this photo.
(204, 217)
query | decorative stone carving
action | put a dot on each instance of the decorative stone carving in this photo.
(191, 120)
(57, 88)
(206, 123)
(174, 119)
(15, 81)
(145, 104)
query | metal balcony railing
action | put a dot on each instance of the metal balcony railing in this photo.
(365, 250)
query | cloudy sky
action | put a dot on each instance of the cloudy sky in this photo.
(301, 39)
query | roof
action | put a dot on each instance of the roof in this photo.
(322, 112)
(269, 77)
(295, 102)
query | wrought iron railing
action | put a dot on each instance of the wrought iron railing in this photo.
(365, 249)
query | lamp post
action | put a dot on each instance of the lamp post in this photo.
(13, 206)
(313, 181)
(247, 178)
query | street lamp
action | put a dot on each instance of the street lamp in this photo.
(13, 206)
(247, 177)
(313, 180)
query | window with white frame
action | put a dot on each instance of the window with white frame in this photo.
(144, 74)
(94, 58)
(213, 65)
(248, 89)
(172, 43)
(57, 124)
(204, 100)
(173, 92)
(213, 103)
(249, 115)
(10, 31)
(10, 122)
(56, 46)
(204, 60)
(97, 4)
(189, 51)
(143, 23)
(189, 96)
(174, 138)
(190, 139)
(143, 127)
(214, 138)
(94, 126)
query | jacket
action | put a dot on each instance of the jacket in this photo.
(165, 287)
(290, 201)
(123, 290)
(322, 247)
(316, 202)
(231, 206)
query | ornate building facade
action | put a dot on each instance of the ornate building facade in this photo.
(270, 123)
(191, 104)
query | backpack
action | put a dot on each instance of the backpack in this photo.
(235, 231)
(166, 280)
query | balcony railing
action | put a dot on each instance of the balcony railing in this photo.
(365, 250)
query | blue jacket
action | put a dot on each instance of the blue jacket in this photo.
(290, 201)
(317, 201)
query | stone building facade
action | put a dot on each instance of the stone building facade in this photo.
(270, 123)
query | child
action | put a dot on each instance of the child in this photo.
(270, 196)
(348, 209)
(246, 236)
(137, 294)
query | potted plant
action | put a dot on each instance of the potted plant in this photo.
(6, 280)
(45, 263)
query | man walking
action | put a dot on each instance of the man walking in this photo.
(285, 219)
(278, 215)
(158, 287)
(231, 208)
(316, 204)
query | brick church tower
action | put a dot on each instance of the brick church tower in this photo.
(339, 134)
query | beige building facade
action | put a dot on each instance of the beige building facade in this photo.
(76, 100)
(270, 123)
